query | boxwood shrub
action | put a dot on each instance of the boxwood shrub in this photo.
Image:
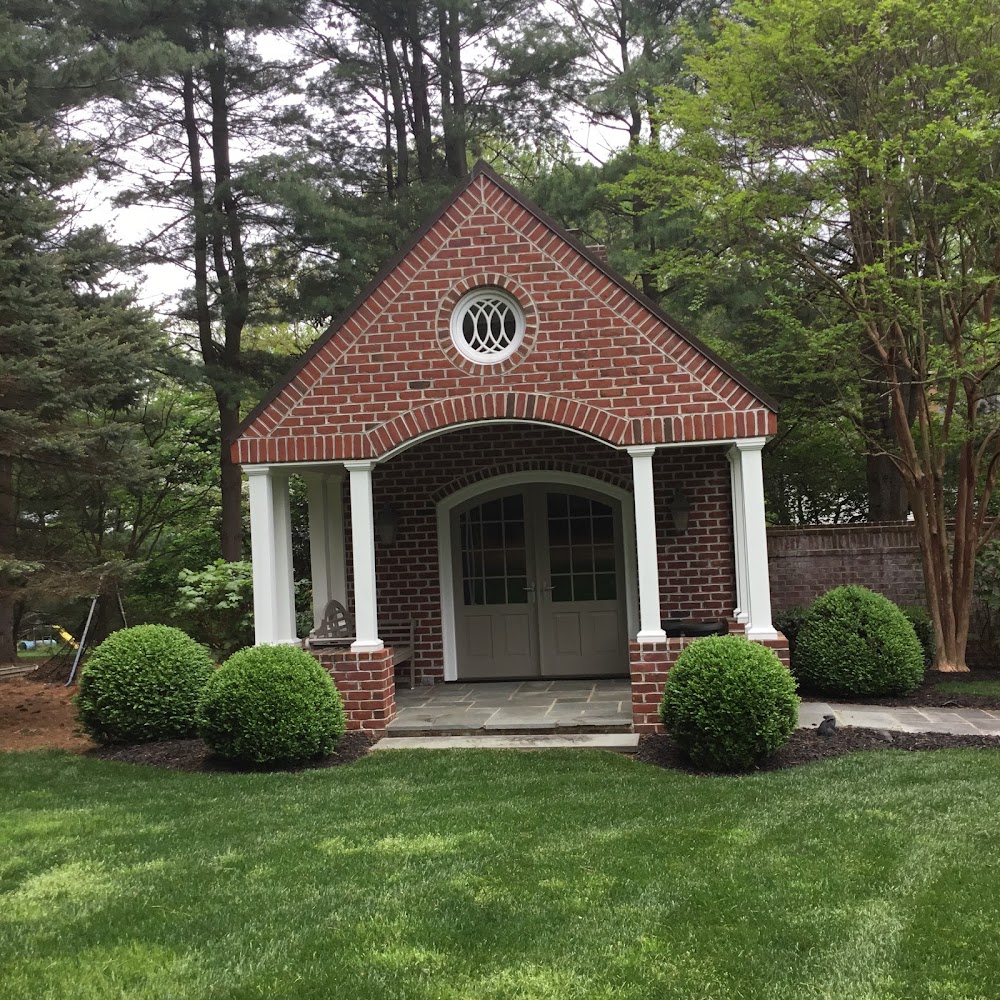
(856, 643)
(271, 704)
(788, 622)
(142, 684)
(728, 702)
(920, 619)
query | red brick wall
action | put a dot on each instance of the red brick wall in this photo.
(696, 568)
(365, 682)
(806, 562)
(594, 357)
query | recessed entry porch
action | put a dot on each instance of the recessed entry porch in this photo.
(496, 707)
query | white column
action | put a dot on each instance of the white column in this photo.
(327, 552)
(650, 629)
(741, 612)
(757, 581)
(271, 549)
(363, 552)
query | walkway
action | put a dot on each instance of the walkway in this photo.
(514, 707)
(605, 706)
(906, 719)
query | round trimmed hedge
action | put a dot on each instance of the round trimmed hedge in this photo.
(728, 702)
(270, 704)
(856, 643)
(142, 684)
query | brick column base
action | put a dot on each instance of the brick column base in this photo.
(366, 683)
(649, 664)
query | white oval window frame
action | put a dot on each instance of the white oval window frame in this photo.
(458, 319)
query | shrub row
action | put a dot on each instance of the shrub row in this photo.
(265, 704)
(728, 702)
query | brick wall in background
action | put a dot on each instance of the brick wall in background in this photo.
(805, 562)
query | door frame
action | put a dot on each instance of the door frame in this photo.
(446, 573)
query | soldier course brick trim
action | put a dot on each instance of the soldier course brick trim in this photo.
(597, 357)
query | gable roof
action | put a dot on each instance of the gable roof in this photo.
(483, 169)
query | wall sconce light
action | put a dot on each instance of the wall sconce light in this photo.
(386, 521)
(680, 510)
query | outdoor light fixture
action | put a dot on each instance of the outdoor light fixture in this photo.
(680, 509)
(385, 524)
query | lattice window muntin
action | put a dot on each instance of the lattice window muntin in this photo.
(487, 325)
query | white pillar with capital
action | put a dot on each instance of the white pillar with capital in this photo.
(648, 558)
(742, 610)
(271, 551)
(327, 552)
(363, 552)
(750, 534)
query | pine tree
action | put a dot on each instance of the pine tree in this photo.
(67, 347)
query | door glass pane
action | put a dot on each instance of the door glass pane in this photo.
(582, 555)
(493, 554)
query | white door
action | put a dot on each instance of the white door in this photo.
(539, 585)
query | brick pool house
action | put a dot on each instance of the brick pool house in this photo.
(512, 452)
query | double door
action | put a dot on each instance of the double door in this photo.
(539, 585)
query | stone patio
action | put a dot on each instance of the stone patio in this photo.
(514, 707)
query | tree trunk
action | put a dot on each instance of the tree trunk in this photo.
(232, 485)
(8, 539)
(423, 138)
(232, 277)
(887, 500)
(452, 90)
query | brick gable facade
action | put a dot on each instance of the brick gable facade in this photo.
(603, 395)
(596, 357)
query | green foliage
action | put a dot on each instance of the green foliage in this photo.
(856, 643)
(216, 605)
(729, 702)
(142, 684)
(918, 616)
(789, 623)
(271, 704)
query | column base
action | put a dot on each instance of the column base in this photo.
(366, 683)
(367, 645)
(649, 664)
(647, 636)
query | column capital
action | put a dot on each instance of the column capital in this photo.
(642, 450)
(257, 470)
(740, 445)
(364, 465)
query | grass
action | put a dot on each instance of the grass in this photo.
(489, 875)
(39, 653)
(990, 689)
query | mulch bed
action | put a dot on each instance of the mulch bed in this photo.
(928, 695)
(194, 755)
(808, 745)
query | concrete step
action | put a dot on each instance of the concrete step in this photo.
(510, 729)
(620, 742)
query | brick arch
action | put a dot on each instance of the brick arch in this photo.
(570, 414)
(530, 465)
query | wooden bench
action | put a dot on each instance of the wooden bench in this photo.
(337, 629)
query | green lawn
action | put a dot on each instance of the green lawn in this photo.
(474, 874)
(990, 689)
